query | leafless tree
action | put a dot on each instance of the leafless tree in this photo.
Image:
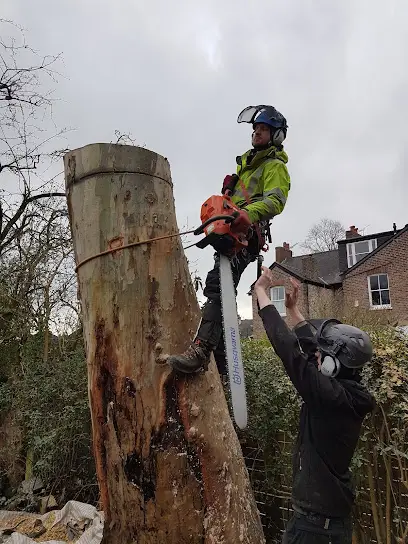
(324, 235)
(28, 135)
(37, 276)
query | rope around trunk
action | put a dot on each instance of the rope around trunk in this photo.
(133, 244)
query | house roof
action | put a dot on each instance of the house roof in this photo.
(377, 250)
(361, 238)
(321, 268)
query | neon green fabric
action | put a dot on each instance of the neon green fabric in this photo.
(267, 182)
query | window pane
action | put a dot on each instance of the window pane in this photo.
(278, 293)
(274, 294)
(350, 255)
(374, 282)
(383, 281)
(359, 256)
(361, 247)
(375, 297)
(280, 306)
(385, 297)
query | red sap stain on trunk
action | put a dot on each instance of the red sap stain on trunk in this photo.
(102, 393)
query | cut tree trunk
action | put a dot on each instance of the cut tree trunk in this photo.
(169, 464)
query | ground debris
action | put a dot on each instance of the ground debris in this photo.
(72, 524)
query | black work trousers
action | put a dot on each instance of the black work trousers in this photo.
(315, 529)
(211, 329)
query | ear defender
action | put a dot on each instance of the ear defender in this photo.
(278, 137)
(330, 367)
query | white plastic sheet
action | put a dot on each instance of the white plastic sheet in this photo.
(74, 514)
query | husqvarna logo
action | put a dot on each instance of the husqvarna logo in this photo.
(236, 375)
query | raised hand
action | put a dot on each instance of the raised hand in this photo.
(291, 299)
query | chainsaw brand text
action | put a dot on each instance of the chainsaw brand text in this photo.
(236, 376)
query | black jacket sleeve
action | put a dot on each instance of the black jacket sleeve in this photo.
(316, 390)
(307, 340)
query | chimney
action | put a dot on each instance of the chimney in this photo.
(282, 253)
(352, 232)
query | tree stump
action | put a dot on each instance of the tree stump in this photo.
(169, 464)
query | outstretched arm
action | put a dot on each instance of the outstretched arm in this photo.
(300, 326)
(315, 389)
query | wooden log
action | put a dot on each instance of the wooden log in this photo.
(169, 464)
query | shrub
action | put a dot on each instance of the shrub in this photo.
(381, 460)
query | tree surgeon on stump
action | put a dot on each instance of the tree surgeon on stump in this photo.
(260, 187)
(323, 359)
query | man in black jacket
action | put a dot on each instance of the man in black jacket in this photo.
(323, 365)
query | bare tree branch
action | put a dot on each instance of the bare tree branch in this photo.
(324, 235)
(20, 211)
(37, 269)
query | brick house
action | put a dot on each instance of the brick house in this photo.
(365, 273)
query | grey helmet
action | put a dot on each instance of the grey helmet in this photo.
(350, 345)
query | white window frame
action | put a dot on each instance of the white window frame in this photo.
(379, 306)
(351, 250)
(273, 300)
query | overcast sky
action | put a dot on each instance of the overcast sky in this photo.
(175, 74)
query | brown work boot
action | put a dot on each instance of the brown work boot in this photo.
(195, 358)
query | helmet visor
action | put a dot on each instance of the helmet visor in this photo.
(248, 114)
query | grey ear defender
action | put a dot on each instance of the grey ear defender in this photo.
(330, 366)
(278, 137)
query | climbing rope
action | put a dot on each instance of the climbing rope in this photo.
(134, 244)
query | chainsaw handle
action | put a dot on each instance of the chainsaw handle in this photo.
(226, 218)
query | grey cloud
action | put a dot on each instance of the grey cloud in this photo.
(176, 74)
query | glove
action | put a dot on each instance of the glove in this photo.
(229, 183)
(242, 223)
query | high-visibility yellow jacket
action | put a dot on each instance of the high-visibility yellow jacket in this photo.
(267, 183)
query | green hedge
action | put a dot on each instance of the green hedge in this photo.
(49, 402)
(380, 464)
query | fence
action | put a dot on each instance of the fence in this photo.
(274, 504)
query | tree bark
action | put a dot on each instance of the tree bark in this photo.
(169, 464)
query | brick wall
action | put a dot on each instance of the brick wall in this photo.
(325, 302)
(314, 301)
(391, 260)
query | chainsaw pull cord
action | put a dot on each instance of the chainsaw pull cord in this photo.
(133, 244)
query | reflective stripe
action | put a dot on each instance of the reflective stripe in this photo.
(279, 193)
(264, 204)
(254, 180)
(268, 202)
(271, 206)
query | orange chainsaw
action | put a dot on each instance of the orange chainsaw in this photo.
(226, 228)
(224, 224)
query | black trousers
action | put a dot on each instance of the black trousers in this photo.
(210, 329)
(312, 529)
